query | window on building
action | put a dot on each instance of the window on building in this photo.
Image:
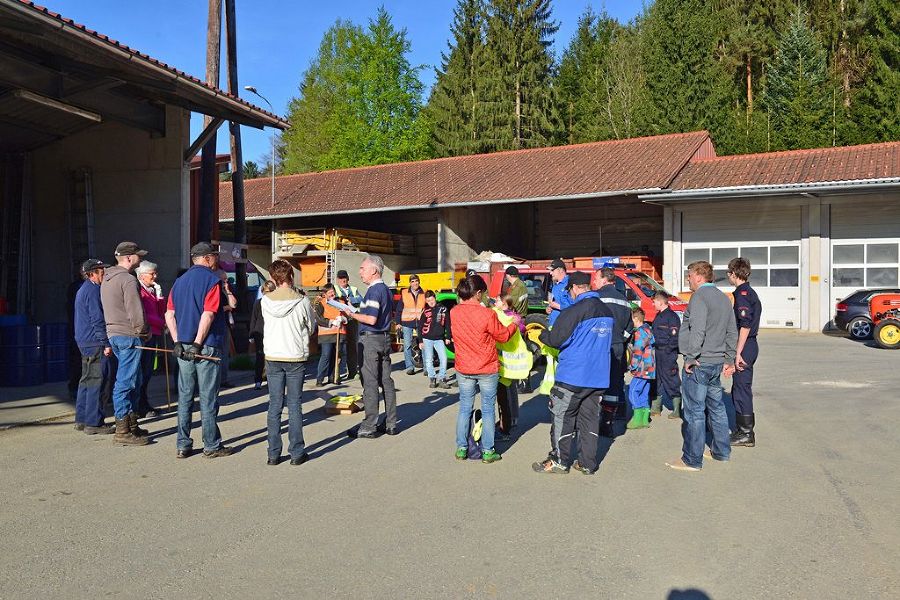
(775, 265)
(860, 264)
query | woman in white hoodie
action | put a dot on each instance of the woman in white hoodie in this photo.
(288, 323)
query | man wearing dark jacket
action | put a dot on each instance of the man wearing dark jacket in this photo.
(583, 333)
(613, 398)
(93, 344)
(666, 326)
(126, 327)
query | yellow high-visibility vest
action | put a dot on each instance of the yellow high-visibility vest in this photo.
(515, 359)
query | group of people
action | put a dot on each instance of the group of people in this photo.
(122, 316)
(591, 330)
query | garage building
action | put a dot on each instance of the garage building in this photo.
(815, 224)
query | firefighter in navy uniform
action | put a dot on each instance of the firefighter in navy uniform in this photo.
(666, 326)
(613, 404)
(747, 312)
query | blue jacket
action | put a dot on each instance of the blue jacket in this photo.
(560, 296)
(187, 299)
(583, 334)
(90, 327)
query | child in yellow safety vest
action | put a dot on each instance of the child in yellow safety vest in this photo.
(507, 393)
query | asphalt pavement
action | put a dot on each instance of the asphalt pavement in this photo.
(809, 513)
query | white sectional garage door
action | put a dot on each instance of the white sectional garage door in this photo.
(865, 247)
(775, 276)
(768, 237)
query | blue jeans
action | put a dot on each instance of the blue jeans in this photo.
(326, 360)
(283, 375)
(488, 386)
(639, 393)
(430, 347)
(702, 404)
(128, 376)
(95, 369)
(204, 376)
(407, 347)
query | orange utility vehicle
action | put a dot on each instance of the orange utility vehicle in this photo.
(885, 312)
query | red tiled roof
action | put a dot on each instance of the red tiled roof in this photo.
(818, 165)
(582, 169)
(149, 59)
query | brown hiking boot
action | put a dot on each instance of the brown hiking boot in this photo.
(219, 453)
(124, 435)
(99, 429)
(133, 425)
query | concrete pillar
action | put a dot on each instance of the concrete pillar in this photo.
(668, 248)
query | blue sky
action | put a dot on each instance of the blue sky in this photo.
(278, 38)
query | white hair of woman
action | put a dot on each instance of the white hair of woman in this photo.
(146, 267)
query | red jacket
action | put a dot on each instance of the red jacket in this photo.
(154, 310)
(476, 332)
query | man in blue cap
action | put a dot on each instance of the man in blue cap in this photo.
(97, 360)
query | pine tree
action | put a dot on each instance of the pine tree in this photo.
(876, 106)
(753, 27)
(688, 84)
(453, 103)
(797, 93)
(581, 83)
(517, 107)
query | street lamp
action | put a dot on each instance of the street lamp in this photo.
(252, 90)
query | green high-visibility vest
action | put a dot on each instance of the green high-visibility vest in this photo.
(515, 359)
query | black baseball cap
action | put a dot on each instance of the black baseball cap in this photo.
(342, 274)
(413, 278)
(129, 248)
(203, 248)
(578, 278)
(556, 263)
(511, 270)
(92, 264)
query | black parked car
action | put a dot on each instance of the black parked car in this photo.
(852, 313)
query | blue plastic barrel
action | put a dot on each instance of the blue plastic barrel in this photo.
(10, 320)
(55, 337)
(21, 356)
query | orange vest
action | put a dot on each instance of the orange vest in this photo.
(412, 309)
(330, 313)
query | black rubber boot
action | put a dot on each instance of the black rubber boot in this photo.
(744, 435)
(676, 408)
(608, 419)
